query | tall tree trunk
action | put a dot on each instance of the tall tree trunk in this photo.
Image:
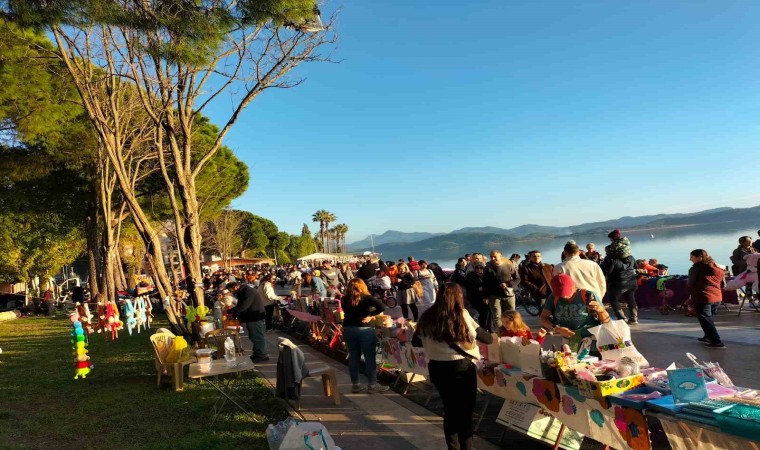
(190, 244)
(118, 267)
(93, 246)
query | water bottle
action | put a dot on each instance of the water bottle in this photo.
(229, 352)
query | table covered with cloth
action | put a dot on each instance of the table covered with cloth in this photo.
(648, 294)
(613, 425)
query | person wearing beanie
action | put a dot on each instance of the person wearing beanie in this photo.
(570, 311)
(620, 247)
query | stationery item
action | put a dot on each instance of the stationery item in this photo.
(713, 370)
(688, 385)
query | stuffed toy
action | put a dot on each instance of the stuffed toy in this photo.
(129, 314)
(140, 313)
(749, 276)
(113, 324)
(85, 317)
(82, 364)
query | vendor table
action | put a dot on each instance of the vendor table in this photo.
(613, 425)
(648, 296)
(685, 434)
(225, 386)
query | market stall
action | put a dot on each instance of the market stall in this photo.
(603, 398)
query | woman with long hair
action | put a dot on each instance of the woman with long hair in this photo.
(406, 296)
(429, 283)
(360, 308)
(705, 279)
(448, 334)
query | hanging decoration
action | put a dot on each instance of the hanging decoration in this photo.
(82, 364)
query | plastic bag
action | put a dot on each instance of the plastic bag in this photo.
(179, 352)
(296, 435)
(613, 339)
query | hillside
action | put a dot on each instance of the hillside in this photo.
(389, 237)
(394, 242)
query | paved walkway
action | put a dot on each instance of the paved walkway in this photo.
(362, 421)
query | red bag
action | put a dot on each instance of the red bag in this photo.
(335, 341)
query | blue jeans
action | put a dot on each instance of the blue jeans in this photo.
(704, 315)
(256, 335)
(361, 340)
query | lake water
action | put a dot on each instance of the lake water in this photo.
(670, 246)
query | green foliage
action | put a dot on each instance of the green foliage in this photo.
(37, 105)
(221, 180)
(41, 214)
(301, 245)
(185, 31)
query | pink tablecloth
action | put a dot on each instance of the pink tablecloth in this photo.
(304, 316)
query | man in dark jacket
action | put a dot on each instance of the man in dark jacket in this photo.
(535, 277)
(499, 282)
(250, 311)
(620, 273)
(474, 288)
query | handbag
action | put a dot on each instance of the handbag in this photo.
(335, 341)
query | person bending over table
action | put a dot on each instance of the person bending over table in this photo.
(570, 311)
(250, 311)
(360, 310)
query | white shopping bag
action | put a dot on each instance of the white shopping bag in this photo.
(494, 352)
(510, 350)
(613, 339)
(530, 361)
(307, 436)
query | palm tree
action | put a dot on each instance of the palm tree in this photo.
(341, 229)
(321, 216)
(330, 217)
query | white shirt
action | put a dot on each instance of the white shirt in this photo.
(440, 351)
(586, 274)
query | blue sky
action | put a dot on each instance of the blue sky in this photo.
(446, 114)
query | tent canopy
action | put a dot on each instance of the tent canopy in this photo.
(339, 257)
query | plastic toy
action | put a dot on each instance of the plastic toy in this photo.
(82, 364)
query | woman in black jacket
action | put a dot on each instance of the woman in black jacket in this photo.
(620, 273)
(361, 339)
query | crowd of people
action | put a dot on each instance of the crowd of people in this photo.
(475, 302)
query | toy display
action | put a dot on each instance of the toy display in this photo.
(82, 364)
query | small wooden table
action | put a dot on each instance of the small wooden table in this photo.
(224, 387)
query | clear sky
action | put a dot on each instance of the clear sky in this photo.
(446, 114)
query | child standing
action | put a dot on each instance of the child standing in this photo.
(512, 325)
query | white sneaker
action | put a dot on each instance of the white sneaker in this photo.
(376, 388)
(356, 388)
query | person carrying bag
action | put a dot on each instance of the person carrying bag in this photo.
(448, 334)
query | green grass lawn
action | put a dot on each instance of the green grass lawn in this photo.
(118, 405)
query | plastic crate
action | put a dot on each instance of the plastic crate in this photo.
(740, 420)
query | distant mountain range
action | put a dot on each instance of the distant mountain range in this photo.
(477, 237)
(388, 237)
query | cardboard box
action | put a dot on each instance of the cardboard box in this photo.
(601, 389)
